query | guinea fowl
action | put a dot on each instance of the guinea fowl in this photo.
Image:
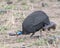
(36, 21)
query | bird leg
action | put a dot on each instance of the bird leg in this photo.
(40, 33)
(32, 34)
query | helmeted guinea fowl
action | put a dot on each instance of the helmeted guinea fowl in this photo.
(34, 22)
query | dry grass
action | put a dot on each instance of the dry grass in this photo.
(12, 16)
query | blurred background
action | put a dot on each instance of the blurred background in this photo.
(13, 13)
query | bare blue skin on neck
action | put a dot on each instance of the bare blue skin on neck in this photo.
(19, 33)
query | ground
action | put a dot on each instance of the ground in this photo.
(11, 18)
